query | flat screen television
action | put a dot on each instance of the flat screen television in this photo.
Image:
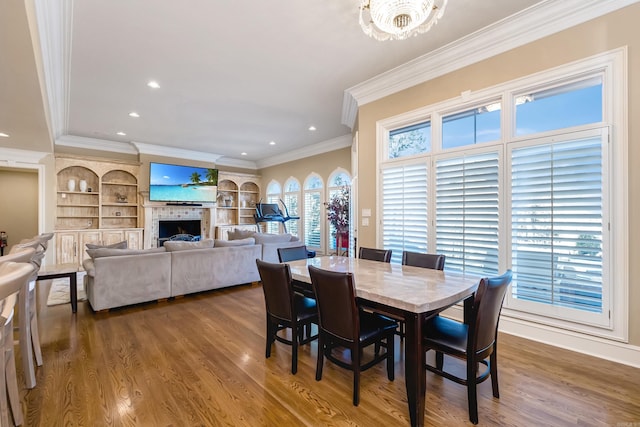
(186, 184)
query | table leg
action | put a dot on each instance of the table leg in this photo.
(415, 371)
(73, 292)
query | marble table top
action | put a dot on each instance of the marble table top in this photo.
(412, 289)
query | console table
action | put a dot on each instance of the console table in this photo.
(57, 271)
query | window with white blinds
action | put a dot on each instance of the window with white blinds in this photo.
(467, 212)
(556, 221)
(404, 208)
(292, 202)
(313, 210)
(546, 198)
(273, 196)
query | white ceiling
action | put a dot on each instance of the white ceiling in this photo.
(234, 75)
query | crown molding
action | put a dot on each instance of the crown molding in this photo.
(163, 150)
(96, 144)
(311, 150)
(531, 24)
(236, 163)
(54, 23)
(14, 156)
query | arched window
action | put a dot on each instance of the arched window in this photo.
(292, 202)
(313, 212)
(274, 194)
(338, 180)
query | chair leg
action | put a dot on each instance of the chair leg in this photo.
(35, 339)
(472, 392)
(356, 353)
(320, 357)
(26, 346)
(439, 360)
(12, 384)
(493, 365)
(35, 336)
(267, 352)
(390, 357)
(296, 332)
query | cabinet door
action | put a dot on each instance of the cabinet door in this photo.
(133, 238)
(92, 237)
(67, 248)
(112, 236)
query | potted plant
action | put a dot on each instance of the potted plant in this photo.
(338, 216)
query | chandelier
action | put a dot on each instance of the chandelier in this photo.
(399, 19)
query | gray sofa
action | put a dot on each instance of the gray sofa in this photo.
(119, 277)
(269, 242)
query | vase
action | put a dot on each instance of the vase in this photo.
(71, 185)
(83, 185)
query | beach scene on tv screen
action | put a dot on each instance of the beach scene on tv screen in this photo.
(182, 183)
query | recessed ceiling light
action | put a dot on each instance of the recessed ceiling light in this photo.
(243, 154)
(134, 114)
(121, 133)
(272, 143)
(312, 128)
(4, 135)
(153, 84)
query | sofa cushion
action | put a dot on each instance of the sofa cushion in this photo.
(238, 233)
(119, 245)
(262, 238)
(178, 245)
(238, 242)
(106, 252)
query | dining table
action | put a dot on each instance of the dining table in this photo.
(412, 293)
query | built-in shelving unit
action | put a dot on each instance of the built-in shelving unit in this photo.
(96, 202)
(237, 198)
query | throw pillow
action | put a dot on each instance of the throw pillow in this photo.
(177, 245)
(238, 233)
(105, 252)
(262, 238)
(249, 241)
(119, 245)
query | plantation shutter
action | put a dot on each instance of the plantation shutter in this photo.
(467, 213)
(312, 208)
(404, 209)
(557, 223)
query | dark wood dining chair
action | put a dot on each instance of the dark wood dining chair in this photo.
(382, 255)
(292, 254)
(343, 324)
(417, 259)
(285, 309)
(473, 342)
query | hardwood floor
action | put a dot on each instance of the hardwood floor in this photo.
(199, 361)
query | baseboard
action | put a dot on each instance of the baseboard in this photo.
(614, 351)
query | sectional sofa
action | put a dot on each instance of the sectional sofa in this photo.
(120, 277)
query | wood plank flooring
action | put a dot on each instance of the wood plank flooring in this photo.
(199, 361)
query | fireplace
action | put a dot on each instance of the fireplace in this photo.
(184, 229)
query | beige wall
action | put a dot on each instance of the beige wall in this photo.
(18, 204)
(606, 33)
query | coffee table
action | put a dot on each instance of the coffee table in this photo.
(57, 271)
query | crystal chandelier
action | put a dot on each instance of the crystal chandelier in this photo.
(399, 19)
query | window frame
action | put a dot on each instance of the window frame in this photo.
(273, 197)
(321, 192)
(612, 65)
(298, 194)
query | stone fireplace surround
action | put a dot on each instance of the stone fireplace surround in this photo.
(154, 212)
